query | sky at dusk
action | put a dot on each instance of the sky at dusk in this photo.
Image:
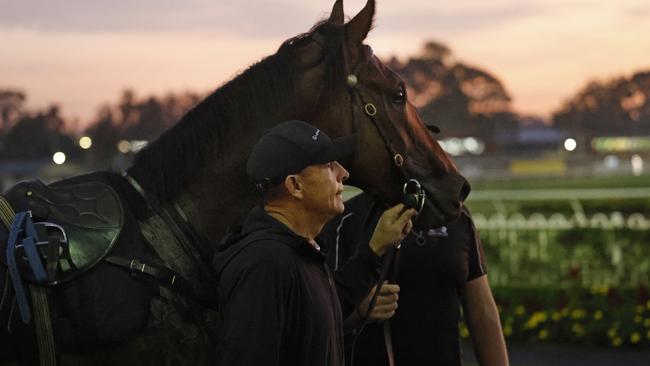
(81, 54)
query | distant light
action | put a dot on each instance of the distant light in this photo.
(621, 144)
(454, 146)
(570, 144)
(470, 144)
(473, 146)
(124, 146)
(85, 142)
(637, 165)
(137, 145)
(611, 161)
(58, 158)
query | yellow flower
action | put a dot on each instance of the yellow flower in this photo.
(599, 290)
(507, 330)
(646, 323)
(647, 304)
(598, 314)
(577, 329)
(520, 310)
(578, 314)
(543, 334)
(611, 332)
(555, 316)
(638, 319)
(564, 311)
(635, 337)
(617, 342)
(541, 315)
(639, 309)
(535, 319)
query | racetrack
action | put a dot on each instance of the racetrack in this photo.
(536, 354)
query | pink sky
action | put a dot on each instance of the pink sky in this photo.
(80, 54)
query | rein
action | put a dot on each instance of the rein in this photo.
(414, 196)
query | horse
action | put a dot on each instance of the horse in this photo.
(129, 278)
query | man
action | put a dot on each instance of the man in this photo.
(276, 294)
(438, 271)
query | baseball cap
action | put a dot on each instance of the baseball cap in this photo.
(291, 146)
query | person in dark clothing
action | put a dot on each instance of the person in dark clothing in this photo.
(438, 271)
(279, 302)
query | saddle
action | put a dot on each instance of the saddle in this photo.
(83, 220)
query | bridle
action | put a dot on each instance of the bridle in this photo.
(414, 196)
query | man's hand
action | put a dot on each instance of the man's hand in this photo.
(394, 224)
(385, 304)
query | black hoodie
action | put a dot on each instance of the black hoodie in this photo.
(277, 299)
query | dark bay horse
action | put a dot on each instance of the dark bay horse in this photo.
(185, 188)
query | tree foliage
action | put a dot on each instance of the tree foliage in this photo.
(134, 118)
(620, 106)
(11, 107)
(37, 135)
(459, 98)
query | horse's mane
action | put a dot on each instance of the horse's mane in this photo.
(166, 165)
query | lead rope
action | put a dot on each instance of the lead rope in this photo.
(41, 309)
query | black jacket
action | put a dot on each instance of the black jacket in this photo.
(277, 299)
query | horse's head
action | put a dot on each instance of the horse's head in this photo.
(345, 89)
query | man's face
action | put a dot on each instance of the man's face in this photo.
(322, 187)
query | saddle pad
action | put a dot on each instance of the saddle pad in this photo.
(91, 214)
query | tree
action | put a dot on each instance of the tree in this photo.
(461, 99)
(38, 136)
(620, 106)
(11, 104)
(134, 118)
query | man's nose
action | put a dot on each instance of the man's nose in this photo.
(343, 174)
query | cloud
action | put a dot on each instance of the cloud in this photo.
(243, 17)
(427, 20)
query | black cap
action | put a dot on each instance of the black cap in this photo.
(290, 147)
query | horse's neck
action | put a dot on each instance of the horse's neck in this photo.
(223, 194)
(220, 194)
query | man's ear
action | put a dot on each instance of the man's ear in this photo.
(293, 185)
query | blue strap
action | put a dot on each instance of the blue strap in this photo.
(21, 296)
(29, 245)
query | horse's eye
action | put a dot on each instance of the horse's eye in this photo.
(400, 96)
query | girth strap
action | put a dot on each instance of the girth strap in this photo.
(186, 237)
(43, 325)
(164, 276)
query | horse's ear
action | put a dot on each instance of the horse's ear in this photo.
(356, 30)
(337, 16)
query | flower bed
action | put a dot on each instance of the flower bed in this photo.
(599, 316)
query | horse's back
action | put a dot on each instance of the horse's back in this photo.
(104, 306)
